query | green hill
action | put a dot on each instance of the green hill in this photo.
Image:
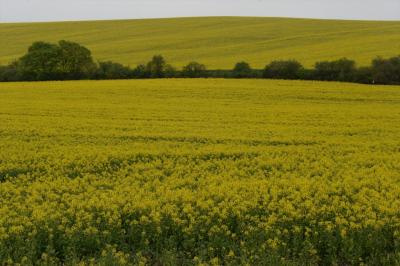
(218, 42)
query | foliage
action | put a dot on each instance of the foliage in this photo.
(242, 70)
(338, 70)
(41, 62)
(111, 70)
(170, 71)
(194, 70)
(156, 67)
(9, 72)
(71, 61)
(140, 72)
(46, 61)
(364, 75)
(75, 61)
(386, 71)
(289, 69)
(191, 172)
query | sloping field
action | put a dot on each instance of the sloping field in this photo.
(180, 172)
(218, 42)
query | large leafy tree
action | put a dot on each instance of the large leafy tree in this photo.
(46, 61)
(41, 62)
(75, 60)
(156, 67)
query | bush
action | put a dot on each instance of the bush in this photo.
(72, 61)
(156, 67)
(339, 70)
(111, 70)
(290, 69)
(386, 71)
(170, 71)
(306, 74)
(10, 72)
(218, 73)
(364, 75)
(140, 72)
(194, 70)
(242, 70)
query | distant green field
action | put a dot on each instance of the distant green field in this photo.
(199, 172)
(218, 42)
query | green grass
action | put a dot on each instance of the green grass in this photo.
(180, 172)
(218, 42)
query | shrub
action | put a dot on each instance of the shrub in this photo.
(386, 71)
(242, 70)
(170, 71)
(289, 69)
(9, 72)
(111, 70)
(194, 70)
(364, 75)
(71, 61)
(140, 72)
(156, 67)
(339, 70)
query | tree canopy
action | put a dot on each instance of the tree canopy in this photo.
(289, 69)
(242, 70)
(68, 60)
(194, 70)
(65, 60)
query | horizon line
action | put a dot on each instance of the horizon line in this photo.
(194, 17)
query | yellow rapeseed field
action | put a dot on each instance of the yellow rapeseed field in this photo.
(217, 42)
(199, 172)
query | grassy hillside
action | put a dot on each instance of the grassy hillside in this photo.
(218, 42)
(180, 172)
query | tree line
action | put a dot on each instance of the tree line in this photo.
(71, 61)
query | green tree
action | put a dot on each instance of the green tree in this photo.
(242, 70)
(290, 69)
(75, 60)
(386, 71)
(111, 70)
(156, 67)
(10, 72)
(46, 61)
(194, 70)
(364, 75)
(338, 70)
(140, 72)
(41, 62)
(169, 71)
